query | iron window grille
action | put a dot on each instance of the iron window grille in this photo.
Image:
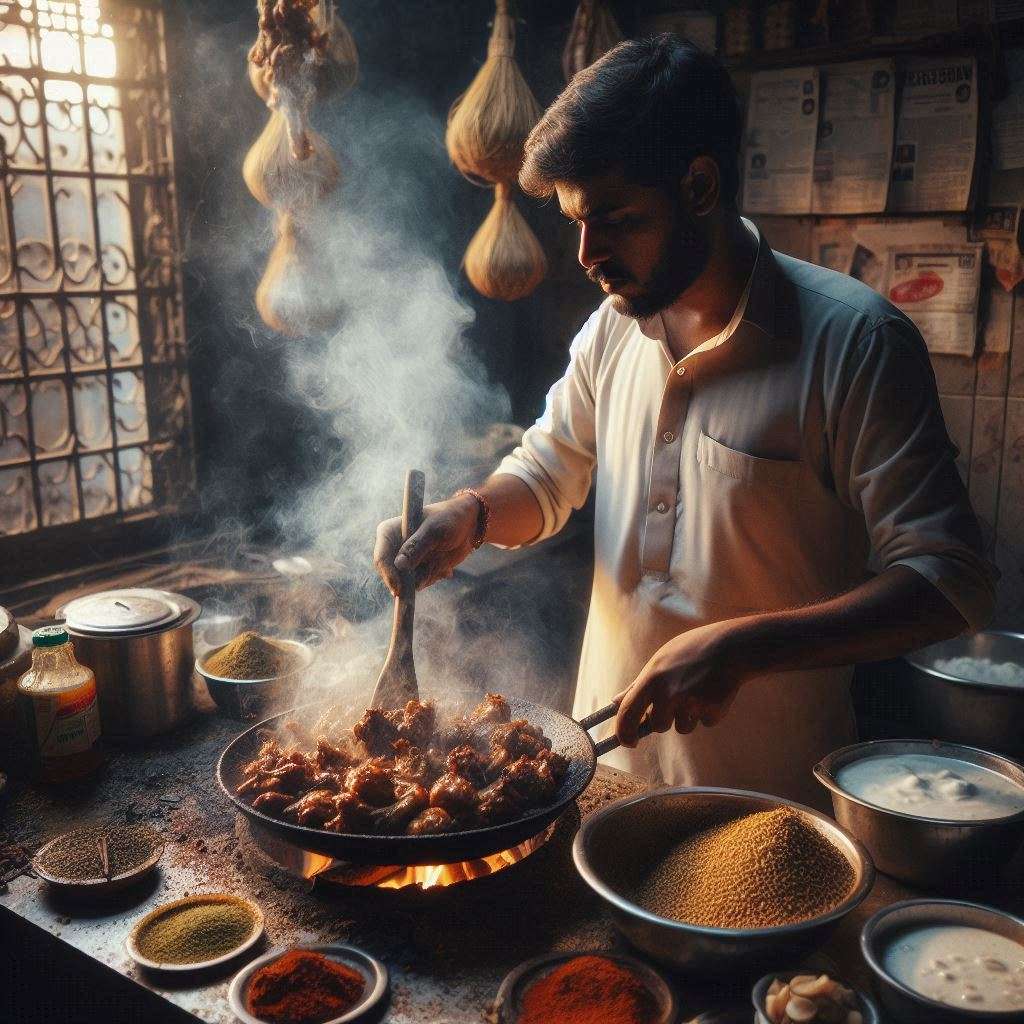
(95, 421)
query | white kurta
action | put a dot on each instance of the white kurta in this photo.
(762, 471)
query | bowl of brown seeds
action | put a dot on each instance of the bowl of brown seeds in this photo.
(721, 880)
(99, 859)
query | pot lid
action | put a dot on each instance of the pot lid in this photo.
(130, 611)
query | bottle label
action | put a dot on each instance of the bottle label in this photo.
(66, 726)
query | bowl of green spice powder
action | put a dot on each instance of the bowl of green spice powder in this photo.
(196, 932)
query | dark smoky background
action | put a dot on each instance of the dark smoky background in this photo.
(302, 444)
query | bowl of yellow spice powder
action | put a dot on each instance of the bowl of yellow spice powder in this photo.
(250, 673)
(721, 880)
(196, 932)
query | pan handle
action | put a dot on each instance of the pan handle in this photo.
(602, 715)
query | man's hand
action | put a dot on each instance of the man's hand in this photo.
(444, 539)
(692, 679)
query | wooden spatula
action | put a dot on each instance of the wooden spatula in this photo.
(397, 682)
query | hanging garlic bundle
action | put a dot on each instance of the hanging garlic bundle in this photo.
(295, 296)
(303, 50)
(487, 127)
(504, 260)
(277, 179)
(592, 34)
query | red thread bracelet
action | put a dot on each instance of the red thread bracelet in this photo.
(483, 520)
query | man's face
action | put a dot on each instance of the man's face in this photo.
(638, 242)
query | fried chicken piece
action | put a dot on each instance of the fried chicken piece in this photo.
(559, 762)
(328, 780)
(464, 760)
(330, 755)
(272, 802)
(497, 803)
(352, 815)
(417, 722)
(413, 764)
(513, 740)
(431, 822)
(531, 780)
(453, 793)
(314, 809)
(492, 710)
(377, 730)
(411, 799)
(373, 781)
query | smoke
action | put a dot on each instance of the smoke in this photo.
(398, 385)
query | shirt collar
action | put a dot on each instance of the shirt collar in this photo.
(756, 307)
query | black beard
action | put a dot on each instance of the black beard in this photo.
(683, 261)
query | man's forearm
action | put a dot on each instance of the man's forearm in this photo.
(893, 613)
(515, 515)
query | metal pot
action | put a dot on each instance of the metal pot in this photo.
(986, 715)
(138, 642)
(928, 852)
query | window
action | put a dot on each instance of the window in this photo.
(95, 423)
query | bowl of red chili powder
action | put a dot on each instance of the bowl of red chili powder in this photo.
(585, 988)
(325, 984)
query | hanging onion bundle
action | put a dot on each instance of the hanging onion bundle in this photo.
(504, 260)
(277, 179)
(295, 296)
(489, 122)
(592, 34)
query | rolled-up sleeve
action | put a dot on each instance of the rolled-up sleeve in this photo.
(557, 454)
(895, 464)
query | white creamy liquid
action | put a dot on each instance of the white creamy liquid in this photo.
(966, 967)
(932, 786)
(982, 670)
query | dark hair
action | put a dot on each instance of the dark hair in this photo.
(648, 106)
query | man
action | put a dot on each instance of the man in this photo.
(755, 427)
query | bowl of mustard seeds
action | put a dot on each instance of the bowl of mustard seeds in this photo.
(719, 880)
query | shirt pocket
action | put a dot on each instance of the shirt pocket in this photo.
(785, 474)
(756, 533)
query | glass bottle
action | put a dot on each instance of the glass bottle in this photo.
(59, 710)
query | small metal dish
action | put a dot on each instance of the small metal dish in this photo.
(903, 1003)
(248, 698)
(370, 1007)
(867, 1009)
(509, 1002)
(927, 852)
(96, 887)
(622, 837)
(257, 932)
(986, 715)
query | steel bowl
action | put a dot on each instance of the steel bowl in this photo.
(865, 1006)
(986, 715)
(903, 1003)
(617, 843)
(250, 698)
(930, 853)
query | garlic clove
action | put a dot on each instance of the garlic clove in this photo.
(801, 1010)
(809, 987)
(775, 986)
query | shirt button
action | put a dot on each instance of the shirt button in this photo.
(662, 507)
(668, 436)
(680, 370)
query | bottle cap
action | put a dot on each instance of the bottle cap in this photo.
(49, 636)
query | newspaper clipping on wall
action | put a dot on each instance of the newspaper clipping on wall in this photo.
(936, 135)
(938, 287)
(1008, 117)
(782, 127)
(855, 139)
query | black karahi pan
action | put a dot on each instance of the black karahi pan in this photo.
(568, 738)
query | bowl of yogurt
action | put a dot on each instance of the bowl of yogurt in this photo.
(946, 962)
(940, 816)
(970, 690)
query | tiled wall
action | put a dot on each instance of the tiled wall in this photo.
(983, 402)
